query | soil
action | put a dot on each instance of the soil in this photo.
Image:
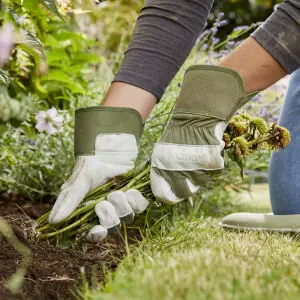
(55, 272)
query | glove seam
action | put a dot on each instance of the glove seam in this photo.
(182, 170)
(126, 110)
(93, 153)
(187, 145)
(177, 112)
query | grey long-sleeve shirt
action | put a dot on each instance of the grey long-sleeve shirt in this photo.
(166, 31)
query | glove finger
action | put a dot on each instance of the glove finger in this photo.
(97, 234)
(108, 216)
(80, 162)
(136, 200)
(161, 189)
(123, 209)
(199, 177)
(182, 184)
(69, 199)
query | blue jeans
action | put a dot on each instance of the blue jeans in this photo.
(284, 171)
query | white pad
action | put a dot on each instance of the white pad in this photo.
(97, 234)
(114, 155)
(175, 157)
(136, 200)
(181, 157)
(107, 214)
(114, 148)
(120, 203)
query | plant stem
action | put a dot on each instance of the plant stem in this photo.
(134, 180)
(80, 221)
(259, 140)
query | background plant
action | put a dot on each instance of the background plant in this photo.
(68, 60)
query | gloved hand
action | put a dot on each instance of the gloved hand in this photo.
(106, 145)
(119, 206)
(189, 150)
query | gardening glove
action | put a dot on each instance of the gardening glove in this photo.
(189, 150)
(106, 145)
(119, 206)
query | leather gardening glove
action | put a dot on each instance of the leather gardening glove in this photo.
(189, 150)
(106, 145)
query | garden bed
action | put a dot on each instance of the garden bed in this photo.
(54, 272)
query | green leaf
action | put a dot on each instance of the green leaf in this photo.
(33, 46)
(30, 44)
(3, 128)
(4, 78)
(59, 76)
(51, 5)
(13, 17)
(30, 5)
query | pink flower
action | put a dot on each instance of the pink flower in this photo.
(48, 121)
(6, 42)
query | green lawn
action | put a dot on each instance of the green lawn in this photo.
(195, 259)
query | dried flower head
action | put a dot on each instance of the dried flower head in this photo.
(242, 147)
(245, 116)
(259, 124)
(235, 128)
(279, 137)
(226, 139)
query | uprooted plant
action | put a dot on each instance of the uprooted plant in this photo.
(244, 135)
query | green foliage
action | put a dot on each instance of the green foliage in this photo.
(69, 65)
(51, 59)
(242, 12)
(118, 19)
(4, 78)
(35, 165)
(51, 5)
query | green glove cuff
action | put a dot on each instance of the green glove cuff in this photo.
(212, 91)
(95, 120)
(190, 129)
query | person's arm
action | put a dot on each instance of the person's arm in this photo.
(165, 33)
(189, 150)
(106, 137)
(280, 35)
(272, 52)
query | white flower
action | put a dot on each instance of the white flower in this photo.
(48, 121)
(6, 42)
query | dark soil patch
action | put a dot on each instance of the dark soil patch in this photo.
(54, 272)
(14, 204)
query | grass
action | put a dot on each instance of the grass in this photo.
(195, 259)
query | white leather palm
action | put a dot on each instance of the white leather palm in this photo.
(174, 157)
(114, 155)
